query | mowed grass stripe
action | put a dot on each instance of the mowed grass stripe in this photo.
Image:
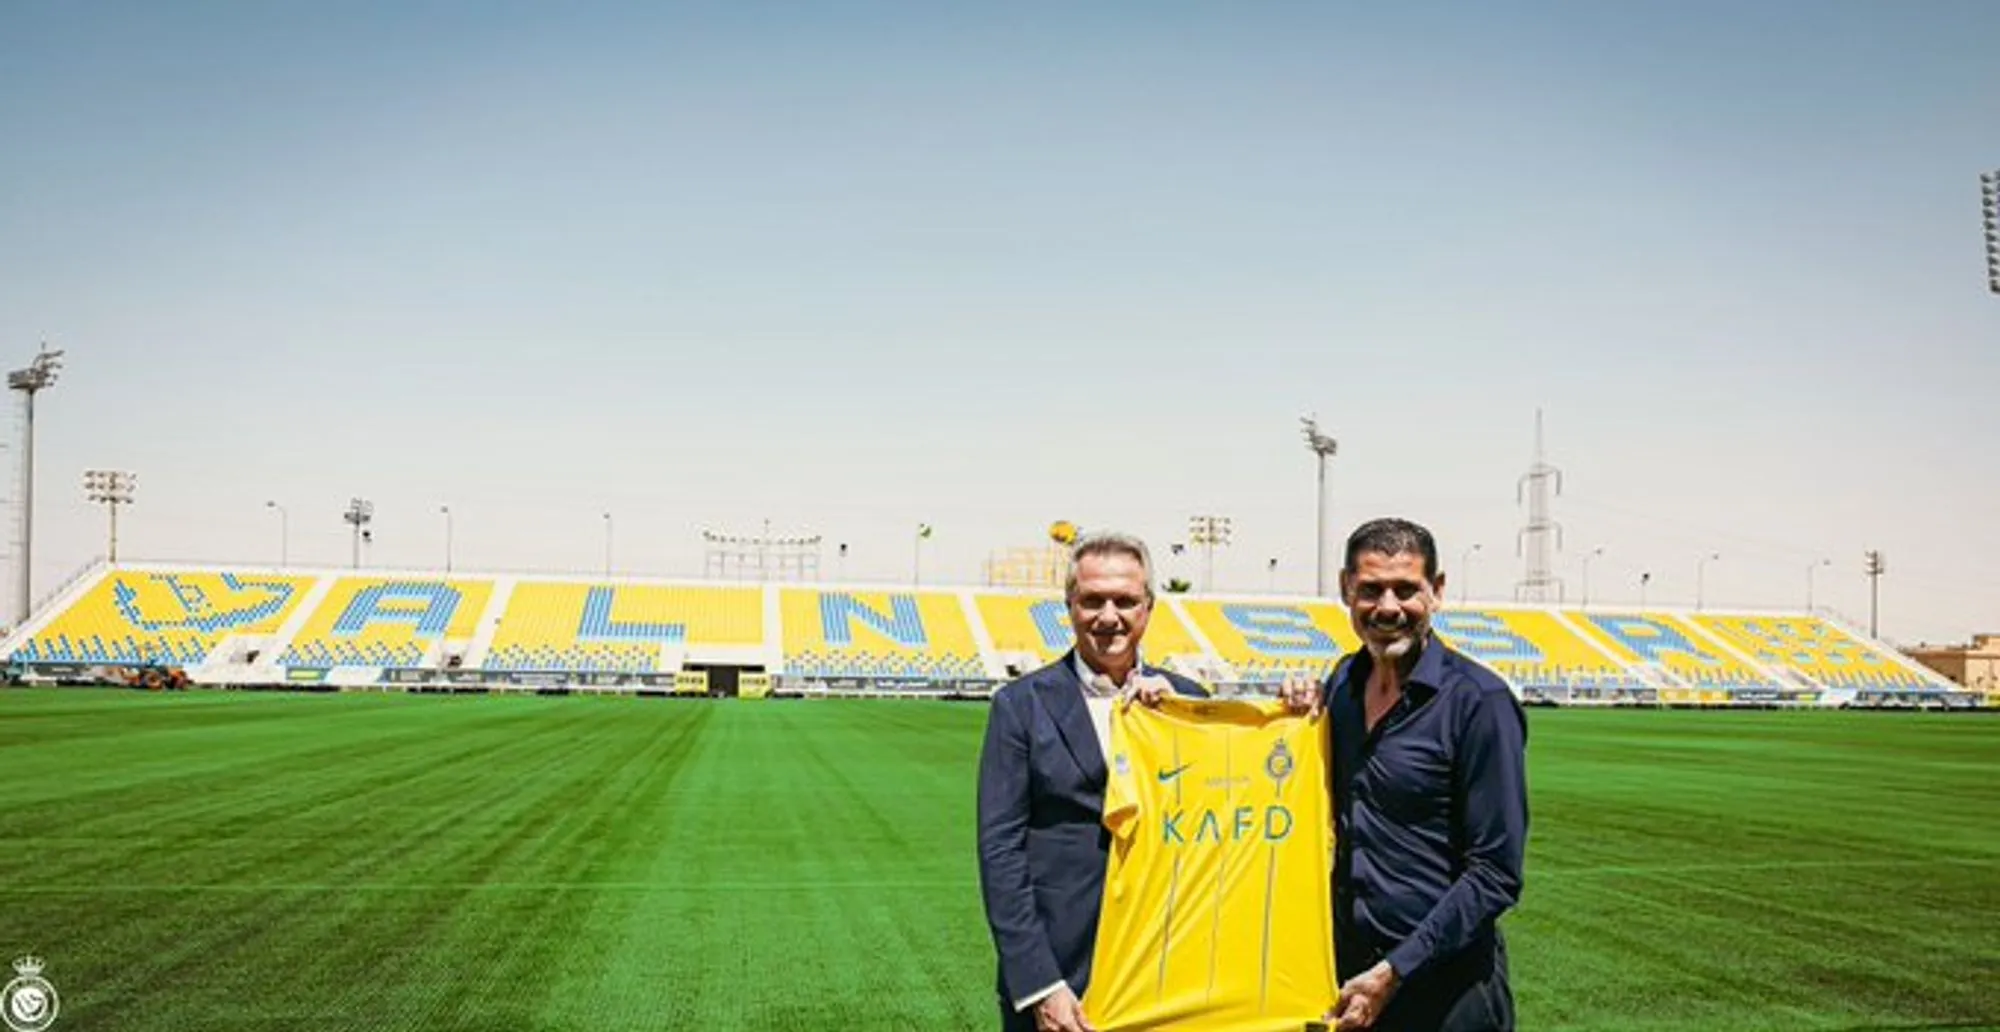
(465, 790)
(864, 884)
(799, 794)
(1754, 871)
(237, 861)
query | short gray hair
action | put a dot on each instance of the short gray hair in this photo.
(1108, 542)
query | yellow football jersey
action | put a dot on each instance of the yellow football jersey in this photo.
(1217, 911)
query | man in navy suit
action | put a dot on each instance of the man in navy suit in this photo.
(1042, 843)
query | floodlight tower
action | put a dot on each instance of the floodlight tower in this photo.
(1989, 197)
(445, 511)
(1208, 532)
(764, 555)
(38, 376)
(1810, 570)
(1873, 565)
(1323, 448)
(284, 533)
(112, 488)
(1594, 553)
(360, 513)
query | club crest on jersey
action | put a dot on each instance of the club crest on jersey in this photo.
(1280, 763)
(1123, 763)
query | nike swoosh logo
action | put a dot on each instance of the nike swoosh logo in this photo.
(1169, 775)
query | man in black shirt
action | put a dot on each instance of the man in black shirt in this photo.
(1430, 792)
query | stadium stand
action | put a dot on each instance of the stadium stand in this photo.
(1265, 640)
(376, 622)
(877, 634)
(163, 619)
(1662, 644)
(1036, 627)
(604, 628)
(239, 626)
(1816, 649)
(1533, 649)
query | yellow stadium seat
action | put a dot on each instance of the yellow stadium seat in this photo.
(1038, 625)
(162, 619)
(1264, 640)
(386, 622)
(1662, 640)
(1816, 649)
(605, 628)
(1532, 649)
(918, 635)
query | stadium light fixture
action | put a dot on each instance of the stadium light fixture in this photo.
(1810, 570)
(1323, 448)
(924, 532)
(1989, 197)
(1208, 532)
(607, 545)
(110, 488)
(1465, 568)
(1700, 571)
(1874, 567)
(1645, 578)
(1271, 581)
(445, 510)
(39, 375)
(1588, 556)
(284, 534)
(360, 513)
(788, 556)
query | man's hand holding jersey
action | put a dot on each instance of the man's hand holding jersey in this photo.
(1302, 694)
(1146, 690)
(1062, 1012)
(1364, 996)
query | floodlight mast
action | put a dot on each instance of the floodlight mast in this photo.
(110, 488)
(360, 513)
(39, 375)
(762, 556)
(1208, 532)
(1323, 448)
(1989, 205)
(284, 533)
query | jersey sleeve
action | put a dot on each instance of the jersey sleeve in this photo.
(1121, 788)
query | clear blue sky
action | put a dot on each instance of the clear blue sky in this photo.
(852, 267)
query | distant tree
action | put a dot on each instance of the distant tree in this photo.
(1179, 585)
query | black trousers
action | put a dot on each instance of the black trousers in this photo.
(1467, 992)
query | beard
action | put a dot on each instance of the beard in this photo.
(1407, 633)
(1399, 648)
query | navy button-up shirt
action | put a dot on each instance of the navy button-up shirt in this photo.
(1432, 811)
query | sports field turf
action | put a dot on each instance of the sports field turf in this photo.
(216, 861)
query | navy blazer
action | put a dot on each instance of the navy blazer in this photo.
(1042, 842)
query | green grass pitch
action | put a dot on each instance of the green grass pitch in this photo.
(233, 861)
